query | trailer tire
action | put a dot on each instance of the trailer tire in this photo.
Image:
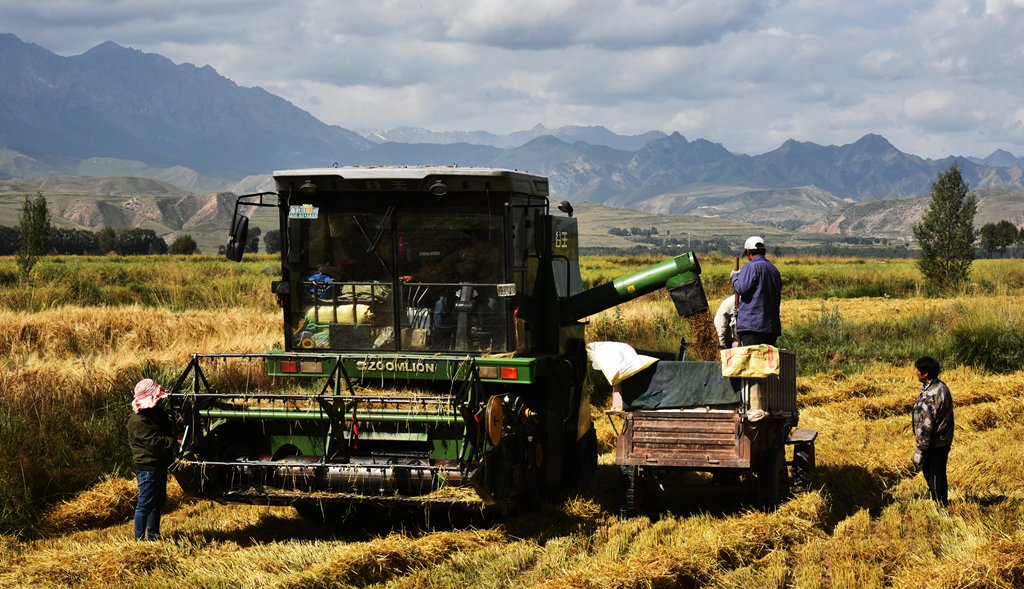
(629, 481)
(803, 465)
(772, 478)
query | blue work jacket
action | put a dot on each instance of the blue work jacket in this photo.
(760, 288)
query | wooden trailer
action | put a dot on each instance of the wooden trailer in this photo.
(686, 415)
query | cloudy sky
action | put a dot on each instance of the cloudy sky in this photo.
(935, 77)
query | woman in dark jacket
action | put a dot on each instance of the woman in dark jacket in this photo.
(151, 436)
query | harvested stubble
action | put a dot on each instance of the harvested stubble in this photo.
(380, 560)
(109, 502)
(112, 563)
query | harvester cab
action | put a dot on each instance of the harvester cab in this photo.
(432, 342)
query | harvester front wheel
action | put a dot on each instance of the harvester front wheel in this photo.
(581, 463)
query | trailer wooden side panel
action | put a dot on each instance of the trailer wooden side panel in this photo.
(691, 439)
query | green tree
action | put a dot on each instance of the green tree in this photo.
(34, 232)
(946, 233)
(996, 237)
(139, 242)
(1008, 235)
(8, 241)
(107, 239)
(75, 242)
(272, 241)
(253, 243)
(183, 244)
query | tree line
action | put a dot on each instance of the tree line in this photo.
(39, 237)
(35, 236)
(945, 235)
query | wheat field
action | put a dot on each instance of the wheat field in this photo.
(66, 376)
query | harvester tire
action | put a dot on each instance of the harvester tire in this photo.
(580, 462)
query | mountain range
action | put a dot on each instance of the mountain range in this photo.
(117, 111)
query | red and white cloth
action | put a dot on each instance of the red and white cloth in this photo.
(147, 394)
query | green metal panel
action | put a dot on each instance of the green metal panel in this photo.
(446, 448)
(362, 415)
(400, 366)
(307, 445)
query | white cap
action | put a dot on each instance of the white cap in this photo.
(753, 243)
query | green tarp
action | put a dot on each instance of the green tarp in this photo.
(676, 385)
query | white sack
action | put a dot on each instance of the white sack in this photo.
(616, 360)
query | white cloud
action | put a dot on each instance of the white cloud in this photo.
(929, 75)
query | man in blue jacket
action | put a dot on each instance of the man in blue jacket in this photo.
(760, 288)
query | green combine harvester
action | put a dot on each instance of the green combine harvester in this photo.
(432, 344)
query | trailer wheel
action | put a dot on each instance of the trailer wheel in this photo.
(772, 478)
(803, 465)
(629, 480)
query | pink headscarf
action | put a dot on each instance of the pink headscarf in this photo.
(147, 394)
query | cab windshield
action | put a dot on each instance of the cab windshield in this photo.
(398, 272)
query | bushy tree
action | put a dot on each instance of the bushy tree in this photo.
(272, 241)
(996, 237)
(75, 242)
(183, 244)
(158, 246)
(8, 241)
(252, 244)
(946, 233)
(139, 242)
(107, 240)
(34, 232)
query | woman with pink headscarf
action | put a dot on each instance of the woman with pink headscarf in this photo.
(151, 435)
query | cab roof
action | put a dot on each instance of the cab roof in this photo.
(455, 178)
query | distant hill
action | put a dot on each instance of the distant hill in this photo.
(119, 112)
(1000, 158)
(594, 135)
(122, 103)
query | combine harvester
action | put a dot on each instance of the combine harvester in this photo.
(433, 344)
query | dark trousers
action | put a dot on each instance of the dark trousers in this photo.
(933, 466)
(152, 497)
(752, 338)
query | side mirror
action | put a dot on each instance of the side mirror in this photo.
(239, 234)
